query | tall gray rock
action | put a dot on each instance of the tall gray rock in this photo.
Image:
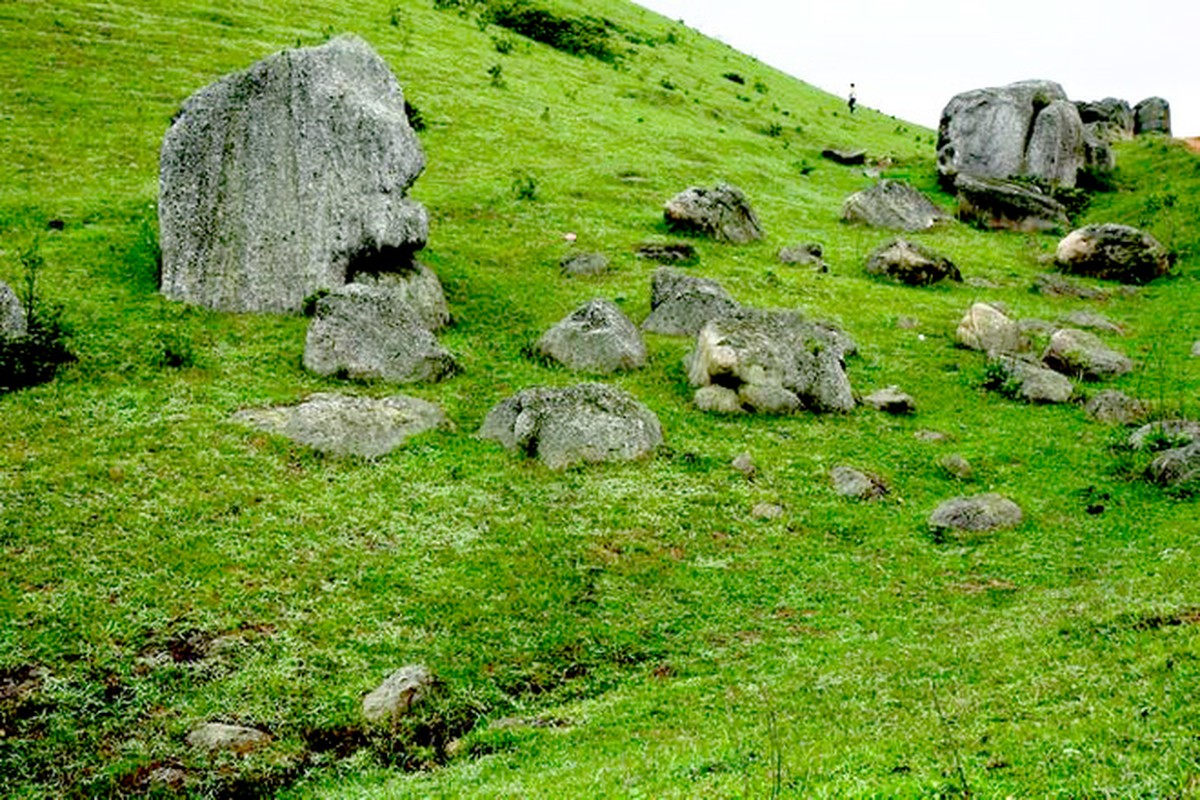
(288, 178)
(12, 314)
(1152, 115)
(1026, 129)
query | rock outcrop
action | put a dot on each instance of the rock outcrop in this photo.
(1002, 204)
(1114, 252)
(911, 264)
(587, 423)
(219, 737)
(1111, 119)
(722, 212)
(892, 204)
(287, 179)
(596, 337)
(680, 304)
(1152, 115)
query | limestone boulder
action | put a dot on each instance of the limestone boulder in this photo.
(1008, 205)
(584, 264)
(365, 332)
(980, 513)
(345, 425)
(1027, 381)
(286, 179)
(987, 328)
(892, 204)
(856, 484)
(1113, 252)
(769, 362)
(722, 213)
(1082, 354)
(891, 400)
(418, 285)
(596, 337)
(12, 313)
(912, 264)
(805, 254)
(1055, 151)
(1152, 115)
(1111, 118)
(586, 423)
(399, 694)
(1113, 407)
(680, 304)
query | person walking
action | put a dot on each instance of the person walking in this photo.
(853, 101)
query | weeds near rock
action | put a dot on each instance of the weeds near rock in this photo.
(35, 356)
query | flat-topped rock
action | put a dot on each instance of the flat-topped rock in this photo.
(1115, 408)
(217, 737)
(1082, 354)
(584, 264)
(980, 513)
(1008, 205)
(847, 158)
(1031, 382)
(891, 400)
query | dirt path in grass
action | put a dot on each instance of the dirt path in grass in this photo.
(1193, 144)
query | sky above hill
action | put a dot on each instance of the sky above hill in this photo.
(908, 59)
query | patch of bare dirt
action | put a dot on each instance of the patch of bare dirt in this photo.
(1193, 144)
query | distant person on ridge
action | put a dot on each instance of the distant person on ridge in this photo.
(853, 101)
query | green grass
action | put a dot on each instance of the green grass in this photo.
(684, 648)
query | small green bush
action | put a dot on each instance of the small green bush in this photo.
(36, 356)
(579, 36)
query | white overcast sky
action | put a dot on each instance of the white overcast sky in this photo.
(909, 58)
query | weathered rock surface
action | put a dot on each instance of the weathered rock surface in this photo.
(1082, 354)
(1031, 382)
(848, 158)
(983, 512)
(286, 179)
(744, 463)
(399, 694)
(911, 264)
(1008, 205)
(1196, 349)
(1152, 115)
(1052, 284)
(419, 285)
(373, 332)
(596, 337)
(12, 313)
(343, 425)
(1090, 319)
(681, 304)
(1115, 408)
(1173, 432)
(891, 400)
(957, 467)
(1112, 118)
(987, 328)
(805, 254)
(892, 204)
(770, 362)
(216, 737)
(580, 424)
(1115, 252)
(767, 511)
(1177, 468)
(853, 483)
(722, 213)
(1026, 129)
(680, 253)
(584, 264)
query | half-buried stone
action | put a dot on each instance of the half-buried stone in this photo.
(586, 423)
(769, 362)
(680, 304)
(12, 314)
(722, 213)
(911, 264)
(1079, 353)
(1031, 382)
(596, 337)
(1114, 252)
(892, 204)
(981, 513)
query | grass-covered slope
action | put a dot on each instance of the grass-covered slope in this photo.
(669, 643)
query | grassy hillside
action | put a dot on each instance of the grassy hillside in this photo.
(656, 639)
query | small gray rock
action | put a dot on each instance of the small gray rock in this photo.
(1115, 408)
(935, 437)
(911, 264)
(1079, 353)
(1113, 252)
(891, 400)
(342, 425)
(957, 467)
(850, 482)
(767, 511)
(987, 328)
(596, 337)
(1092, 320)
(680, 253)
(744, 464)
(681, 304)
(1196, 349)
(216, 737)
(808, 254)
(1177, 468)
(718, 400)
(399, 694)
(1032, 382)
(892, 204)
(12, 314)
(984, 512)
(722, 213)
(584, 264)
(1051, 284)
(1173, 432)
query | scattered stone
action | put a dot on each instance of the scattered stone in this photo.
(744, 464)
(1090, 319)
(1152, 115)
(1196, 349)
(399, 694)
(1037, 327)
(1115, 252)
(1078, 353)
(850, 482)
(681, 304)
(718, 400)
(891, 401)
(987, 328)
(419, 286)
(166, 778)
(775, 362)
(509, 723)
(957, 467)
(217, 737)
(808, 254)
(1178, 468)
(984, 512)
(1031, 382)
(1008, 205)
(766, 511)
(722, 213)
(1169, 432)
(586, 423)
(892, 204)
(596, 337)
(1026, 129)
(849, 158)
(931, 436)
(1115, 408)
(1051, 284)
(365, 331)
(907, 323)
(288, 178)
(343, 425)
(911, 264)
(12, 313)
(56, 224)
(584, 264)
(668, 253)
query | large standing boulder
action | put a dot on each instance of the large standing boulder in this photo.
(1026, 129)
(987, 328)
(344, 425)
(287, 178)
(1009, 205)
(722, 212)
(680, 304)
(1080, 353)
(1115, 252)
(12, 314)
(596, 337)
(892, 204)
(363, 331)
(587, 423)
(910, 263)
(1152, 115)
(770, 362)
